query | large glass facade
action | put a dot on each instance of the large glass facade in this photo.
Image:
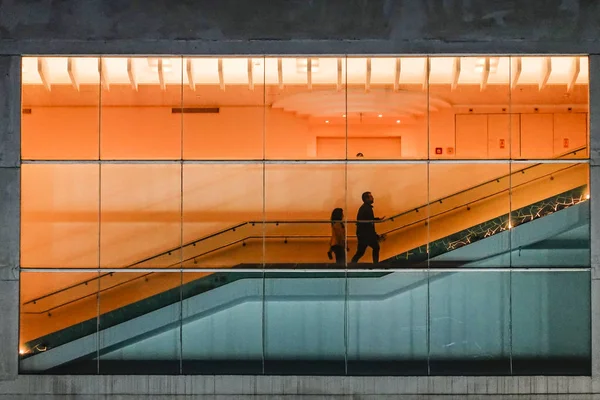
(318, 215)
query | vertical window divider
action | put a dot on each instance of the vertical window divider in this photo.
(98, 286)
(346, 295)
(181, 221)
(264, 245)
(428, 306)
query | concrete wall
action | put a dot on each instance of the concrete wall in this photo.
(298, 26)
(453, 20)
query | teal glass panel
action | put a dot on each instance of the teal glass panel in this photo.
(387, 323)
(222, 323)
(304, 323)
(551, 327)
(469, 317)
(139, 323)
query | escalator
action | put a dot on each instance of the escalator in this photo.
(231, 322)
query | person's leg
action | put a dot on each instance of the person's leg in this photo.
(340, 254)
(360, 250)
(375, 246)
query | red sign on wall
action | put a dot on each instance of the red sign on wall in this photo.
(438, 150)
(502, 143)
(566, 143)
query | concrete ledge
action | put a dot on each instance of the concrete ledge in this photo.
(295, 385)
(296, 46)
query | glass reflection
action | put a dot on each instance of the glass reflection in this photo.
(222, 323)
(469, 317)
(234, 168)
(304, 316)
(58, 323)
(61, 108)
(550, 215)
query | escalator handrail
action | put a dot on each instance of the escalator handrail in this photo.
(277, 222)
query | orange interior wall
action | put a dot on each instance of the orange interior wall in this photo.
(86, 215)
(35, 325)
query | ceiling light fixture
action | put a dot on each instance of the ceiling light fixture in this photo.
(380, 115)
(480, 64)
(166, 64)
(397, 121)
(302, 65)
(327, 121)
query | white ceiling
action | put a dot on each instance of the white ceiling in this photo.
(556, 70)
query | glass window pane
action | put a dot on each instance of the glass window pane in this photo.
(305, 108)
(222, 215)
(300, 200)
(387, 323)
(469, 317)
(399, 199)
(59, 215)
(550, 95)
(222, 325)
(550, 215)
(222, 112)
(387, 108)
(551, 327)
(140, 215)
(59, 319)
(61, 101)
(139, 323)
(468, 215)
(304, 323)
(140, 99)
(470, 116)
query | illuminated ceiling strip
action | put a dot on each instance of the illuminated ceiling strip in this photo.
(221, 80)
(131, 74)
(574, 73)
(426, 71)
(43, 71)
(368, 78)
(161, 75)
(190, 74)
(339, 74)
(250, 77)
(516, 67)
(280, 73)
(397, 74)
(103, 70)
(72, 74)
(485, 74)
(309, 73)
(455, 72)
(545, 73)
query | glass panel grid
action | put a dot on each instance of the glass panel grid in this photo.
(218, 179)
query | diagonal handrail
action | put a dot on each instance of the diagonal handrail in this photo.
(277, 222)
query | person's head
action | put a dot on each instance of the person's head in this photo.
(337, 214)
(367, 198)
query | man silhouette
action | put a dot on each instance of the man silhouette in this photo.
(365, 229)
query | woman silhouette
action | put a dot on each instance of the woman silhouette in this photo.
(338, 236)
